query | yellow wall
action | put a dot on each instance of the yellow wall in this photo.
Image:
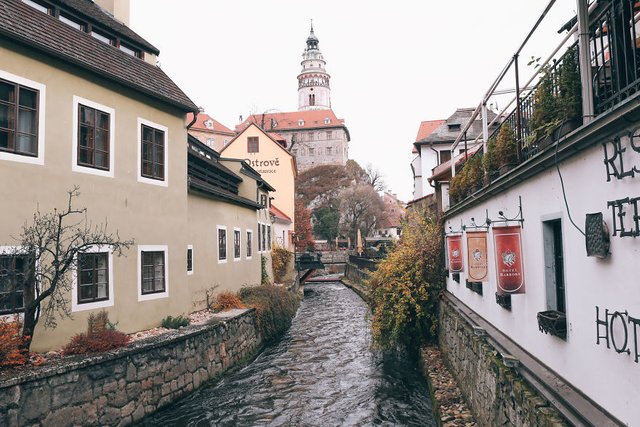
(273, 162)
(150, 214)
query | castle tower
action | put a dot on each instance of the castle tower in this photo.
(314, 92)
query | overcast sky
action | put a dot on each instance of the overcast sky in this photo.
(392, 63)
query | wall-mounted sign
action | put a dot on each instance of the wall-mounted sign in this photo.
(477, 255)
(508, 255)
(264, 166)
(619, 331)
(454, 243)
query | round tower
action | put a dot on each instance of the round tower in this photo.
(314, 92)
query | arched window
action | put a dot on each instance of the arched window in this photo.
(312, 99)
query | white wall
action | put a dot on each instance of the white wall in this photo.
(609, 378)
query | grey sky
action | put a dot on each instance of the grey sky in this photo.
(392, 64)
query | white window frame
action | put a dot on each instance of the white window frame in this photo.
(239, 244)
(74, 141)
(75, 306)
(153, 248)
(226, 243)
(190, 272)
(42, 102)
(165, 182)
(246, 256)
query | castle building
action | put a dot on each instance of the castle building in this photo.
(313, 134)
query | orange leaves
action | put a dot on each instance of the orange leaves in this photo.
(12, 344)
(227, 300)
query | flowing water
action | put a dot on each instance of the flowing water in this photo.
(324, 372)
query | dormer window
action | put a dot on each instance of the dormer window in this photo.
(71, 22)
(327, 121)
(208, 124)
(300, 122)
(102, 37)
(453, 126)
(130, 50)
(36, 5)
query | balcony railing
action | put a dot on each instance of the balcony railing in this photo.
(553, 107)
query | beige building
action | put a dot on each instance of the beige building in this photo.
(95, 111)
(271, 160)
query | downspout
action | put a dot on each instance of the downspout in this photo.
(195, 117)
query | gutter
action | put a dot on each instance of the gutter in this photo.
(195, 117)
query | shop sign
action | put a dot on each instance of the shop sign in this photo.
(477, 255)
(264, 166)
(508, 256)
(454, 243)
(619, 331)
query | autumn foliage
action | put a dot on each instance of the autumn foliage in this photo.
(227, 300)
(406, 285)
(96, 342)
(275, 308)
(12, 348)
(303, 230)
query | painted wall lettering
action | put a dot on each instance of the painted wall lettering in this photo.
(619, 331)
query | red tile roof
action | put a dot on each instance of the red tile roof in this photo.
(203, 117)
(25, 25)
(279, 214)
(293, 120)
(427, 127)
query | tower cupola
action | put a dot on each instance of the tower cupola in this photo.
(314, 92)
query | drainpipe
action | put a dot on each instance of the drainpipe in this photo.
(195, 117)
(586, 78)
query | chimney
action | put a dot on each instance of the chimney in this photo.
(118, 8)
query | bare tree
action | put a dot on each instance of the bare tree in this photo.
(50, 245)
(362, 208)
(375, 178)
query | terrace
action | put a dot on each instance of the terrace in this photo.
(590, 79)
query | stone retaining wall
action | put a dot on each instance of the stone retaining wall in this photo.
(496, 394)
(122, 386)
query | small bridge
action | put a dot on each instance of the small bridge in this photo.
(309, 263)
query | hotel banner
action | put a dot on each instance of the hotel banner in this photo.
(477, 255)
(454, 243)
(509, 267)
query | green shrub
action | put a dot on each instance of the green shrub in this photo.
(506, 150)
(405, 287)
(489, 161)
(171, 322)
(275, 308)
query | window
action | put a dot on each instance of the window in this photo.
(300, 122)
(329, 134)
(327, 120)
(259, 238)
(93, 137)
(554, 265)
(264, 237)
(249, 243)
(294, 151)
(93, 277)
(253, 144)
(153, 155)
(329, 151)
(311, 136)
(312, 99)
(37, 5)
(222, 244)
(445, 156)
(102, 37)
(18, 119)
(268, 237)
(264, 200)
(153, 272)
(312, 152)
(71, 22)
(453, 126)
(211, 142)
(129, 50)
(236, 244)
(16, 272)
(189, 260)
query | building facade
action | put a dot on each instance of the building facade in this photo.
(209, 131)
(97, 113)
(543, 250)
(314, 135)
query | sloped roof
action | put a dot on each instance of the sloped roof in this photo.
(294, 120)
(279, 214)
(268, 134)
(448, 131)
(28, 26)
(203, 117)
(427, 127)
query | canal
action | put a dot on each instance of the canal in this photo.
(324, 372)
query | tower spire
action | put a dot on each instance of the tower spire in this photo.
(314, 92)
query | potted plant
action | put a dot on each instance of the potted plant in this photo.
(457, 190)
(569, 103)
(545, 111)
(489, 162)
(506, 149)
(474, 173)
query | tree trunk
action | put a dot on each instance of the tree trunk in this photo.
(28, 326)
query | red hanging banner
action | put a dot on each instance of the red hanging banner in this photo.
(454, 244)
(509, 267)
(477, 255)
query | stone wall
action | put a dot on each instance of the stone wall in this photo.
(496, 394)
(122, 386)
